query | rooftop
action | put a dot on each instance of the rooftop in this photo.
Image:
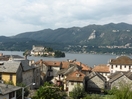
(122, 60)
(5, 89)
(103, 68)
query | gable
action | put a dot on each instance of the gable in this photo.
(96, 82)
(121, 79)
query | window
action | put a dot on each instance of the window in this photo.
(72, 83)
(11, 95)
(111, 66)
(10, 77)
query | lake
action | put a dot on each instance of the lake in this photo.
(88, 59)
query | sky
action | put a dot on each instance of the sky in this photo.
(19, 16)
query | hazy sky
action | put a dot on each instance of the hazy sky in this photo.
(18, 16)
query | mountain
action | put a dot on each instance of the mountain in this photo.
(88, 38)
(108, 34)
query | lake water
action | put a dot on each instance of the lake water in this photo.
(88, 59)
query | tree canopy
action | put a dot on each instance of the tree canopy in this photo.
(49, 91)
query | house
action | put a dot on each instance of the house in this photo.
(48, 69)
(61, 78)
(20, 71)
(103, 69)
(122, 63)
(120, 77)
(28, 73)
(43, 71)
(94, 82)
(8, 91)
(11, 71)
(65, 64)
(73, 79)
(37, 50)
(85, 69)
(53, 67)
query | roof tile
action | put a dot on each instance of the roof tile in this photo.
(101, 68)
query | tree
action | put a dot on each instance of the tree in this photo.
(49, 49)
(48, 91)
(26, 53)
(77, 92)
(59, 54)
(123, 91)
(19, 92)
(93, 96)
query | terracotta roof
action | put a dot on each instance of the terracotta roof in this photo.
(122, 60)
(75, 76)
(65, 64)
(52, 63)
(84, 67)
(101, 68)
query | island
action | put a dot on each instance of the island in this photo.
(44, 52)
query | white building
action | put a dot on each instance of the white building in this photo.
(122, 63)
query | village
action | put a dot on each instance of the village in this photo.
(17, 69)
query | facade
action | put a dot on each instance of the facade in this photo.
(122, 63)
(103, 69)
(37, 50)
(28, 72)
(20, 71)
(119, 78)
(11, 71)
(42, 71)
(37, 77)
(70, 76)
(48, 69)
(94, 82)
(8, 91)
(73, 79)
(53, 67)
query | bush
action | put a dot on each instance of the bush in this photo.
(124, 91)
(77, 92)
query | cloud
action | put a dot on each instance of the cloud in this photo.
(32, 15)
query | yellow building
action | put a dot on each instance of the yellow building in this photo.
(20, 71)
(11, 71)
